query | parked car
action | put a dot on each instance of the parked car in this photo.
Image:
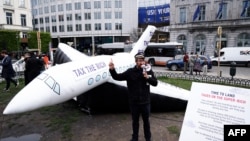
(178, 64)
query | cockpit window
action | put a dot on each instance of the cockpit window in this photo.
(42, 76)
(57, 89)
(53, 85)
(50, 82)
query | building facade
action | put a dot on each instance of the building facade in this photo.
(16, 15)
(196, 22)
(83, 22)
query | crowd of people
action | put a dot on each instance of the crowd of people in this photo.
(34, 65)
(194, 64)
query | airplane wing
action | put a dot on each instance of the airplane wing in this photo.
(65, 54)
(163, 89)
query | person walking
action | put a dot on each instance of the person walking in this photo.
(191, 64)
(138, 80)
(7, 70)
(197, 65)
(204, 68)
(185, 60)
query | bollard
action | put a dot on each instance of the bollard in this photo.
(232, 69)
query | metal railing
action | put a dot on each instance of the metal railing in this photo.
(206, 78)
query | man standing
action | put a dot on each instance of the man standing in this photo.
(33, 67)
(138, 80)
(7, 70)
(185, 60)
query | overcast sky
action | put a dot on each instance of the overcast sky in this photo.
(144, 3)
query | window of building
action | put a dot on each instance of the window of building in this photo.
(53, 19)
(34, 3)
(245, 9)
(35, 21)
(53, 8)
(98, 26)
(22, 3)
(40, 1)
(47, 29)
(107, 15)
(183, 15)
(61, 28)
(61, 18)
(7, 2)
(41, 20)
(87, 27)
(78, 27)
(118, 15)
(60, 7)
(183, 39)
(54, 29)
(107, 4)
(87, 5)
(118, 4)
(46, 9)
(46, 19)
(69, 17)
(222, 11)
(87, 16)
(108, 26)
(97, 15)
(23, 20)
(78, 16)
(243, 40)
(118, 26)
(200, 13)
(41, 29)
(69, 28)
(77, 5)
(34, 12)
(68, 6)
(40, 11)
(200, 44)
(9, 18)
(97, 4)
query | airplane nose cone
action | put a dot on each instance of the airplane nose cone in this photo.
(31, 97)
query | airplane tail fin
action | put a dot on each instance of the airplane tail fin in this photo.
(142, 43)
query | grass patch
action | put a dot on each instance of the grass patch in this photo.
(174, 130)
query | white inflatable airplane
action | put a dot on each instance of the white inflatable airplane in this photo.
(77, 73)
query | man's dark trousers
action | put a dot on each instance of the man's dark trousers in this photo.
(136, 111)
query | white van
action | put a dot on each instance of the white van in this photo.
(240, 55)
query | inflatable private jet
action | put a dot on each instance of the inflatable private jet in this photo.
(75, 74)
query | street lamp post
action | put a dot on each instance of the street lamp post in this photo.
(17, 38)
(121, 29)
(93, 45)
(219, 30)
(38, 42)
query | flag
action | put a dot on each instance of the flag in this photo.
(219, 14)
(196, 13)
(244, 9)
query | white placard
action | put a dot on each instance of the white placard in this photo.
(210, 107)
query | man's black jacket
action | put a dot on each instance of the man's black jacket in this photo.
(138, 85)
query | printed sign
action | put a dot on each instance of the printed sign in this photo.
(154, 14)
(210, 108)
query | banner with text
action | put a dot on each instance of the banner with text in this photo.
(154, 14)
(210, 107)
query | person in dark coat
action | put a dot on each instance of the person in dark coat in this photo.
(7, 70)
(33, 67)
(138, 80)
